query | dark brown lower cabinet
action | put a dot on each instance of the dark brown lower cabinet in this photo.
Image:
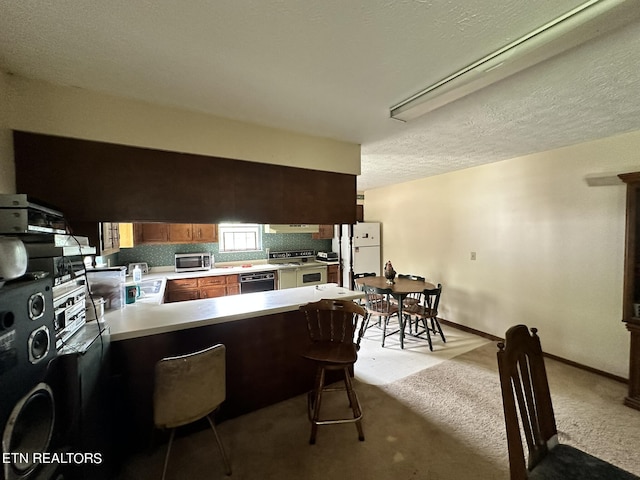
(180, 290)
(264, 366)
(333, 274)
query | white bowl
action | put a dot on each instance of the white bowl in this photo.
(13, 259)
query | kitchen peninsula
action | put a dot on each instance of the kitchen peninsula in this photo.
(151, 316)
(264, 334)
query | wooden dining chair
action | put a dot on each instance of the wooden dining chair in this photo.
(358, 286)
(356, 276)
(527, 402)
(423, 316)
(363, 275)
(331, 325)
(378, 305)
(411, 298)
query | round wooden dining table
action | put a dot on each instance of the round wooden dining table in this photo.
(399, 289)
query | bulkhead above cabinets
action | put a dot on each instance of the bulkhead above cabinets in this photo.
(223, 188)
(291, 228)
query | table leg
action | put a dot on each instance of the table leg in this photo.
(400, 299)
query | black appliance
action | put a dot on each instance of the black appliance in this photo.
(27, 403)
(20, 213)
(296, 255)
(327, 256)
(257, 282)
(84, 417)
(52, 402)
(61, 269)
(69, 293)
(70, 310)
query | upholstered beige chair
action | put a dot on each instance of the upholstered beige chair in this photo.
(188, 388)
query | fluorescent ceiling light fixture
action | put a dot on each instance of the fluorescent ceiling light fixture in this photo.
(587, 21)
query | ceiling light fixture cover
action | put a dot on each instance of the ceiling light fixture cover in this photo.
(587, 21)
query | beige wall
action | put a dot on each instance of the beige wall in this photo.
(550, 248)
(7, 171)
(44, 108)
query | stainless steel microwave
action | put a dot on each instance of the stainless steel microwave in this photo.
(193, 262)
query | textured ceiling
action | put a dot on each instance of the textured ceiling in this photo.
(333, 69)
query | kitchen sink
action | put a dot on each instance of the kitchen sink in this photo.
(150, 287)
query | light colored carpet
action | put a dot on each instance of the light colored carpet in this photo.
(443, 422)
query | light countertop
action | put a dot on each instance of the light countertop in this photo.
(168, 273)
(231, 269)
(148, 316)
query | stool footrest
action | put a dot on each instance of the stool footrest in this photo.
(314, 401)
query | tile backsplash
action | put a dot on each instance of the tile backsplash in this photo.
(163, 255)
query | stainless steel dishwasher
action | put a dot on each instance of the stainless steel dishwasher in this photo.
(257, 282)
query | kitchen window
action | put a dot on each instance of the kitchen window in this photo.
(239, 237)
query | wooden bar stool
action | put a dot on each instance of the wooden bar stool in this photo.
(332, 324)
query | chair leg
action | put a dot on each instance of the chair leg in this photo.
(408, 320)
(166, 457)
(384, 321)
(363, 328)
(346, 387)
(315, 406)
(225, 459)
(355, 404)
(437, 328)
(426, 324)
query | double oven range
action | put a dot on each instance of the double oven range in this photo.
(298, 268)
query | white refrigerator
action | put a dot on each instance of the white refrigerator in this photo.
(364, 251)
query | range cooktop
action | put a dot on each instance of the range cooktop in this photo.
(293, 258)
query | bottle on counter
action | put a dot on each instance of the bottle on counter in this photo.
(137, 274)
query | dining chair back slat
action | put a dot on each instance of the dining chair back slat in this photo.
(415, 297)
(358, 286)
(378, 304)
(528, 414)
